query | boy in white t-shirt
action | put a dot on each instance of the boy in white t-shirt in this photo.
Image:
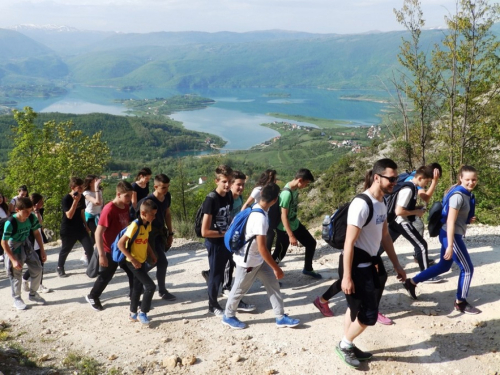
(259, 264)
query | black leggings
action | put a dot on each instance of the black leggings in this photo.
(304, 237)
(69, 240)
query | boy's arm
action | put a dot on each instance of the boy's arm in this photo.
(71, 212)
(266, 255)
(15, 263)
(288, 228)
(388, 246)
(426, 195)
(206, 232)
(39, 240)
(134, 200)
(401, 211)
(247, 203)
(351, 235)
(151, 253)
(99, 242)
(168, 223)
(121, 245)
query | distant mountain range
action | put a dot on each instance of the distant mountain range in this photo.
(61, 55)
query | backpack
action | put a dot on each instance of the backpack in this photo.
(13, 222)
(391, 199)
(438, 213)
(198, 220)
(116, 253)
(234, 238)
(274, 213)
(337, 227)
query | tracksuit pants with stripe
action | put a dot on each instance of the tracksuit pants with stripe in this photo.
(408, 231)
(460, 257)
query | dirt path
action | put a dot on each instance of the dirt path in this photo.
(428, 337)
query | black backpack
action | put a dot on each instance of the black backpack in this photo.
(391, 199)
(274, 213)
(338, 223)
(199, 214)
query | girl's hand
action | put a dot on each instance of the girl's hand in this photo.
(448, 254)
(473, 219)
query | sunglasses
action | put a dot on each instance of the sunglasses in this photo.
(391, 179)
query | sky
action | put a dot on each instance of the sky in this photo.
(142, 16)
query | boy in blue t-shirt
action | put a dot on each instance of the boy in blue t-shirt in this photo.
(19, 251)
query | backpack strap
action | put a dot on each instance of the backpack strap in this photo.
(369, 202)
(134, 236)
(250, 240)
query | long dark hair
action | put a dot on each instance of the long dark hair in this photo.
(143, 172)
(269, 175)
(4, 205)
(88, 181)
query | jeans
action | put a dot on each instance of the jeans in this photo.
(218, 256)
(141, 281)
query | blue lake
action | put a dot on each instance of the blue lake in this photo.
(235, 116)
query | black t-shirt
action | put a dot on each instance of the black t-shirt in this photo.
(74, 225)
(159, 220)
(220, 209)
(141, 192)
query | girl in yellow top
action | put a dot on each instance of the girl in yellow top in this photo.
(136, 255)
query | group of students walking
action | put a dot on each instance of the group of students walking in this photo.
(362, 275)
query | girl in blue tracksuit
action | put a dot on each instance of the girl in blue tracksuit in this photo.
(460, 212)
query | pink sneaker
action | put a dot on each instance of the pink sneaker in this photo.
(382, 319)
(323, 307)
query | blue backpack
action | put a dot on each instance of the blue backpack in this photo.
(234, 238)
(116, 253)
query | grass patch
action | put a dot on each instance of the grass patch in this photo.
(84, 365)
(24, 357)
(4, 331)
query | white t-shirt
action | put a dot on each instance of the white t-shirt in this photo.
(404, 197)
(371, 234)
(255, 194)
(257, 225)
(90, 207)
(3, 214)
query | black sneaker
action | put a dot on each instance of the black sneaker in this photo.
(361, 355)
(466, 308)
(167, 296)
(60, 272)
(410, 288)
(205, 275)
(347, 355)
(95, 303)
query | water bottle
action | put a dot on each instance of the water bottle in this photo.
(325, 232)
(234, 240)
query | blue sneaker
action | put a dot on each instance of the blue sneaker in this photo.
(143, 318)
(133, 317)
(312, 273)
(233, 322)
(286, 321)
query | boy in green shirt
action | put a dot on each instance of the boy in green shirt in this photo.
(291, 230)
(19, 251)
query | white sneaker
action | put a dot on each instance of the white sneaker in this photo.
(1, 258)
(37, 299)
(43, 289)
(19, 303)
(26, 285)
(84, 260)
(433, 280)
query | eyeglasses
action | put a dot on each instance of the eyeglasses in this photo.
(391, 179)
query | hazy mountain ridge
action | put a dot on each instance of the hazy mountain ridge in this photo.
(200, 59)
